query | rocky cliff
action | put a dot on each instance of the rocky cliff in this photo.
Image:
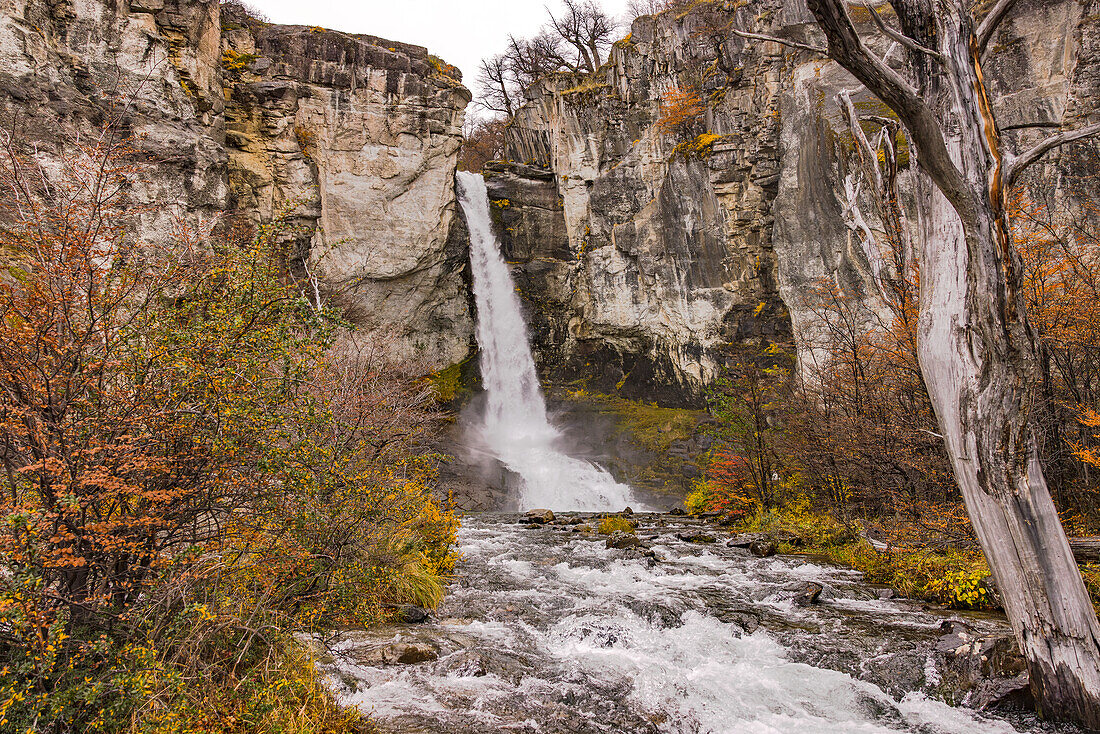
(647, 255)
(354, 137)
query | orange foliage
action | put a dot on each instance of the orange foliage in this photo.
(682, 111)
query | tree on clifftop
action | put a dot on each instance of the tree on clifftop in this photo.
(977, 350)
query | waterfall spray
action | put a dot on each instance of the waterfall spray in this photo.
(514, 428)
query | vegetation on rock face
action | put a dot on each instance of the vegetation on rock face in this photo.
(682, 111)
(195, 468)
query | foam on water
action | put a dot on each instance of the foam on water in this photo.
(514, 428)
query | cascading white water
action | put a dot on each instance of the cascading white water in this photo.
(514, 427)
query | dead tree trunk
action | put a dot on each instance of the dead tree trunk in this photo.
(977, 351)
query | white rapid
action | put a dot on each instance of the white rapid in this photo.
(547, 631)
(514, 427)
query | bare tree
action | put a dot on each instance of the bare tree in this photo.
(496, 80)
(638, 8)
(587, 28)
(977, 350)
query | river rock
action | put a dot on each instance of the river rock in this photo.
(695, 537)
(539, 517)
(623, 540)
(791, 539)
(412, 614)
(809, 595)
(396, 653)
(985, 671)
(627, 512)
(678, 511)
(763, 548)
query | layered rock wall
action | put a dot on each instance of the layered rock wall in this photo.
(684, 244)
(354, 137)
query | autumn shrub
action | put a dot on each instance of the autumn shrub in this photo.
(682, 110)
(615, 524)
(199, 462)
(727, 487)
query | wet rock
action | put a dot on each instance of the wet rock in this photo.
(763, 548)
(885, 593)
(396, 653)
(695, 537)
(1014, 693)
(571, 520)
(627, 512)
(783, 536)
(623, 540)
(539, 517)
(583, 528)
(982, 670)
(743, 541)
(809, 594)
(412, 614)
(729, 519)
(678, 511)
(747, 621)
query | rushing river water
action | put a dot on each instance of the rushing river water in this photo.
(546, 630)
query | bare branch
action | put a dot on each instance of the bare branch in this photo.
(848, 49)
(1016, 165)
(1030, 125)
(991, 22)
(901, 38)
(782, 41)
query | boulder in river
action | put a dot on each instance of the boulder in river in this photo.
(539, 517)
(623, 540)
(695, 537)
(397, 653)
(809, 595)
(763, 547)
(677, 511)
(987, 671)
(627, 512)
(412, 614)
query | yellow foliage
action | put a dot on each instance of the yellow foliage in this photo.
(615, 524)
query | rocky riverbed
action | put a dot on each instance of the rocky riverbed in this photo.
(552, 627)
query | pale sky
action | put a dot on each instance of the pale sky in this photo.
(461, 32)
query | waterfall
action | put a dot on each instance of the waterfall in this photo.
(514, 427)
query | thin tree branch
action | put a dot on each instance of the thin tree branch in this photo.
(1017, 164)
(901, 38)
(783, 41)
(848, 49)
(1030, 125)
(991, 22)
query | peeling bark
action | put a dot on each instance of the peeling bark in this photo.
(977, 351)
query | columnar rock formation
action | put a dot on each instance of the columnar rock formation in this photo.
(355, 137)
(666, 248)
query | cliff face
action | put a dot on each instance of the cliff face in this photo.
(668, 253)
(671, 248)
(356, 137)
(363, 134)
(66, 67)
